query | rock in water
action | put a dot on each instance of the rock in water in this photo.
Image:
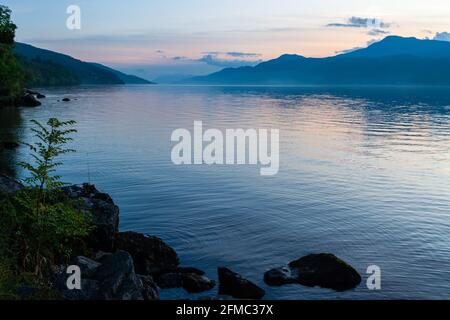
(35, 93)
(279, 276)
(194, 283)
(150, 254)
(232, 284)
(170, 280)
(323, 270)
(190, 270)
(28, 100)
(191, 282)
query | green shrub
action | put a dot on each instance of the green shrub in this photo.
(40, 226)
(11, 75)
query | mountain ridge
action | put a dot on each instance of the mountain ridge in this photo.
(392, 61)
(50, 68)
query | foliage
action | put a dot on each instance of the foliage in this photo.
(42, 73)
(50, 145)
(7, 27)
(11, 77)
(39, 225)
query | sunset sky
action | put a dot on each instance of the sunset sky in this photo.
(154, 38)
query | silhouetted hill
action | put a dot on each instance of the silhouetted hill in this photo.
(392, 61)
(395, 46)
(49, 68)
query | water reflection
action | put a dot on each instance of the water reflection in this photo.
(364, 173)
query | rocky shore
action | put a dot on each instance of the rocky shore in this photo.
(134, 266)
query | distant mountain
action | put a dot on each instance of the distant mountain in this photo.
(125, 78)
(48, 68)
(172, 78)
(397, 46)
(392, 61)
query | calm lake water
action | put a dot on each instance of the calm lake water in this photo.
(364, 174)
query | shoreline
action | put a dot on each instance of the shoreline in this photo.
(134, 266)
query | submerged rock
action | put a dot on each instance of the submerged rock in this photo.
(233, 284)
(323, 270)
(151, 255)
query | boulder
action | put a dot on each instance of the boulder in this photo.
(88, 267)
(149, 288)
(105, 214)
(233, 284)
(323, 270)
(35, 93)
(9, 185)
(117, 278)
(191, 282)
(112, 277)
(150, 254)
(279, 276)
(170, 280)
(194, 283)
(28, 100)
(29, 91)
(190, 270)
(90, 289)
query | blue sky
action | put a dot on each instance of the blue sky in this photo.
(154, 38)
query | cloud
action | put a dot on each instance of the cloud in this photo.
(230, 59)
(234, 54)
(178, 58)
(377, 32)
(243, 54)
(215, 60)
(442, 36)
(358, 22)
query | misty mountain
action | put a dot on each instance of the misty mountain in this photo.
(49, 68)
(392, 61)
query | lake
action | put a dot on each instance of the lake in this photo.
(364, 174)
